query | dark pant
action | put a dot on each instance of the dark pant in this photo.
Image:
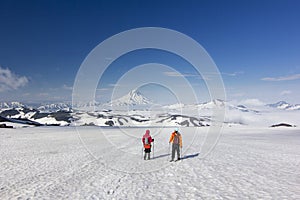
(175, 147)
(147, 152)
(145, 156)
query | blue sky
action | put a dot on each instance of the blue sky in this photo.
(255, 44)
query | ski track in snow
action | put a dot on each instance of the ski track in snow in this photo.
(52, 163)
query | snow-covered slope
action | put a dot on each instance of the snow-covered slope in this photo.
(53, 163)
(30, 116)
(135, 119)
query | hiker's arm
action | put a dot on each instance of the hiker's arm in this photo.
(171, 138)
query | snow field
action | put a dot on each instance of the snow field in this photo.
(106, 163)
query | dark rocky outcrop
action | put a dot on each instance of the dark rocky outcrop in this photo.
(283, 125)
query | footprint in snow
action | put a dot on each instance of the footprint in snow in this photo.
(110, 191)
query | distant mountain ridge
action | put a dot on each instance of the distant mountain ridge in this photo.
(55, 107)
(134, 98)
(284, 106)
(13, 104)
(178, 114)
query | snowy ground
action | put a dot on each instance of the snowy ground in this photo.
(95, 163)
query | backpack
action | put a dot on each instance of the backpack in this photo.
(147, 144)
(146, 140)
(176, 138)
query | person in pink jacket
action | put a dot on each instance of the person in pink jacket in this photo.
(147, 140)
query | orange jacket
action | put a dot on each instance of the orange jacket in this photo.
(173, 136)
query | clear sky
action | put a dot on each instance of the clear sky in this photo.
(255, 44)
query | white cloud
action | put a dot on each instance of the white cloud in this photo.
(26, 94)
(67, 87)
(285, 92)
(239, 94)
(11, 81)
(189, 75)
(43, 94)
(233, 74)
(115, 85)
(282, 78)
(177, 74)
(102, 89)
(252, 102)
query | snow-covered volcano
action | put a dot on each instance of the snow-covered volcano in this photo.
(133, 98)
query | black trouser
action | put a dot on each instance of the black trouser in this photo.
(147, 152)
(175, 147)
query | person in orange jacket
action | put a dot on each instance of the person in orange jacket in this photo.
(176, 141)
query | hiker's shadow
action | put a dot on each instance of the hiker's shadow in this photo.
(190, 156)
(161, 156)
(183, 158)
